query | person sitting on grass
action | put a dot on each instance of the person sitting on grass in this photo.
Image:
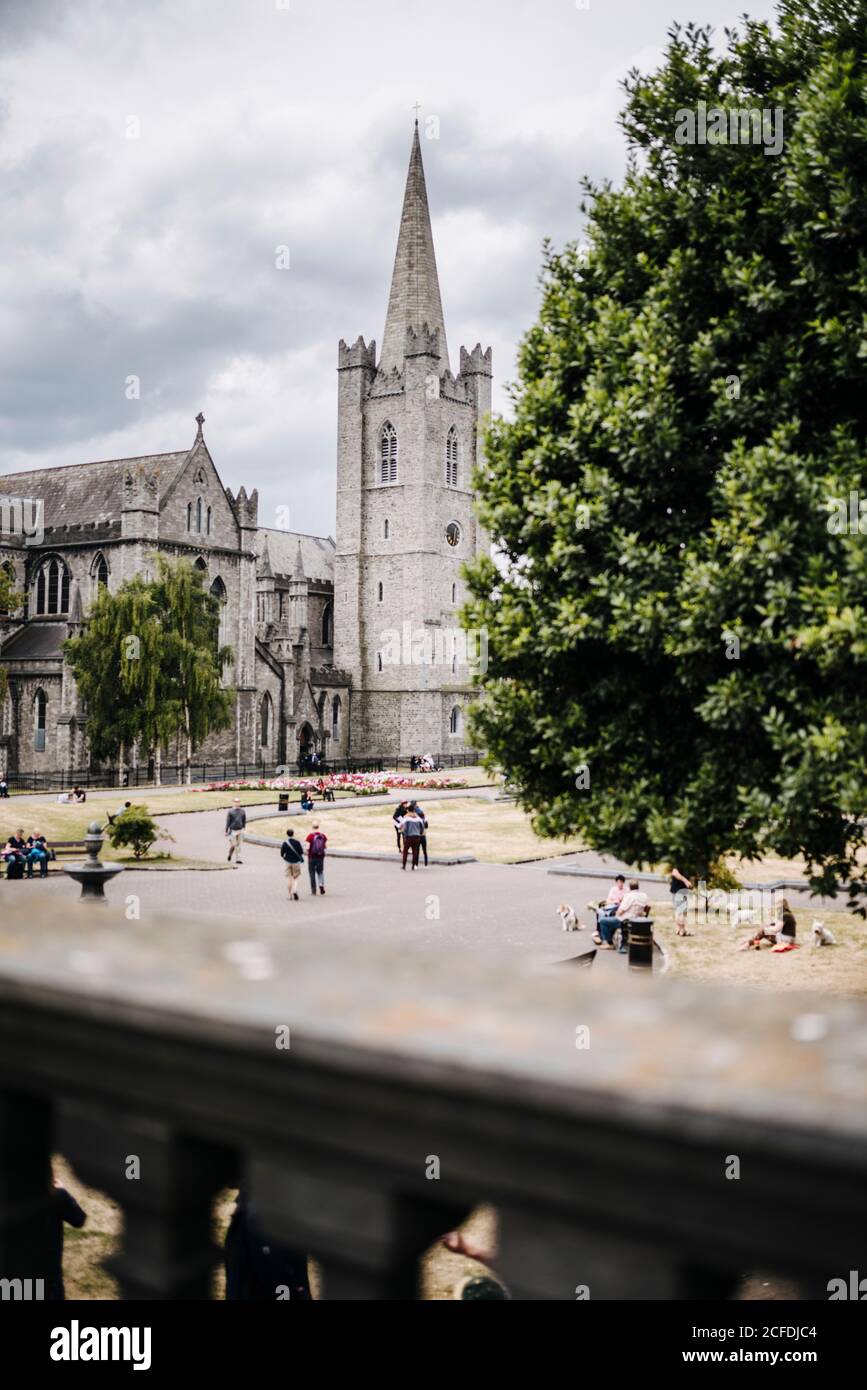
(780, 931)
(306, 802)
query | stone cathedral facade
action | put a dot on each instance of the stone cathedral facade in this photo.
(348, 648)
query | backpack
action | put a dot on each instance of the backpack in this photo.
(317, 845)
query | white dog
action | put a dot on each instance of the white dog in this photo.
(822, 935)
(568, 918)
(738, 916)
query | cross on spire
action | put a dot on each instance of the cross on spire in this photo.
(200, 420)
(416, 109)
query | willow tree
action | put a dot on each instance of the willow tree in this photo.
(194, 701)
(148, 665)
(678, 625)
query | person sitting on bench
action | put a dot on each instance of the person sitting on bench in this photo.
(37, 853)
(15, 854)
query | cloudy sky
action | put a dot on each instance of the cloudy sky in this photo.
(155, 154)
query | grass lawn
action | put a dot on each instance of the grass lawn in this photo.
(496, 832)
(711, 954)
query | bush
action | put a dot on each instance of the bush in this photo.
(137, 829)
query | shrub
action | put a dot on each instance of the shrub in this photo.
(137, 829)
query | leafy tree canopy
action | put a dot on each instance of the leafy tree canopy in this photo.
(680, 609)
(148, 664)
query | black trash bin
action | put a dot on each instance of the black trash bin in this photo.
(640, 943)
(283, 801)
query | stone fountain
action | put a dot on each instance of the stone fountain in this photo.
(93, 874)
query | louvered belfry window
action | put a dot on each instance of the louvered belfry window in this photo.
(452, 458)
(388, 454)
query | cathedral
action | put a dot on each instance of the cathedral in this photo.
(347, 648)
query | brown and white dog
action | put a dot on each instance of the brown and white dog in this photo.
(568, 918)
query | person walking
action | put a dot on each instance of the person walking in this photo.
(414, 806)
(316, 842)
(236, 819)
(411, 828)
(292, 853)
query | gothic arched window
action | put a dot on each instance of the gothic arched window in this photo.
(199, 516)
(327, 625)
(100, 570)
(208, 522)
(265, 720)
(189, 516)
(9, 571)
(454, 593)
(218, 591)
(379, 661)
(40, 713)
(385, 529)
(335, 717)
(52, 588)
(452, 456)
(379, 591)
(201, 564)
(455, 720)
(388, 453)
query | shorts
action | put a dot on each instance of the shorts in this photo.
(293, 870)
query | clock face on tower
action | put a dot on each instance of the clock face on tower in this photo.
(453, 533)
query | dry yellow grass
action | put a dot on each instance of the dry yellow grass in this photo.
(711, 954)
(495, 832)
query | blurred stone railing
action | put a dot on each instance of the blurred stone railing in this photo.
(600, 1117)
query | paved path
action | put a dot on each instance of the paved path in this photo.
(490, 908)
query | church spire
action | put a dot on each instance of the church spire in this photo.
(415, 292)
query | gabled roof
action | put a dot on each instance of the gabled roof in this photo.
(37, 641)
(284, 547)
(82, 492)
(415, 289)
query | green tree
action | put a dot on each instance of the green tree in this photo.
(148, 665)
(678, 624)
(118, 665)
(194, 701)
(10, 601)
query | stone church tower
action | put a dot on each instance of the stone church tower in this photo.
(408, 441)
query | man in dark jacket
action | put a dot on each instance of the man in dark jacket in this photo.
(292, 855)
(236, 819)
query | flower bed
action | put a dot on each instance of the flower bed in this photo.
(359, 783)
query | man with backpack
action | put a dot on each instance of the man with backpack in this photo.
(316, 843)
(411, 828)
(292, 854)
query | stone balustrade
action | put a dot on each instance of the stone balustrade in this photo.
(603, 1117)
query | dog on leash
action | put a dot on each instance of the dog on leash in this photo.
(822, 935)
(568, 918)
